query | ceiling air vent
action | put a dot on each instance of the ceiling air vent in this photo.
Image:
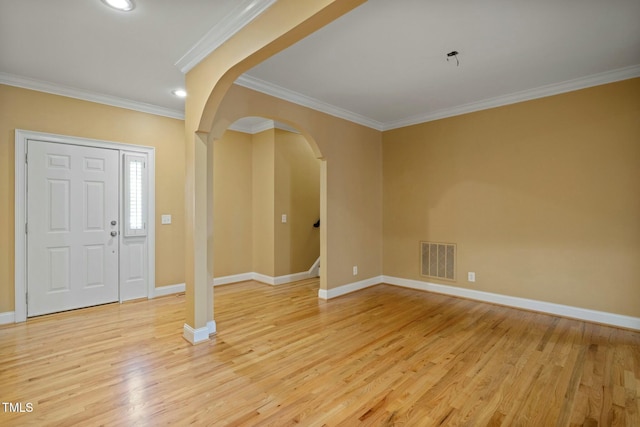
(438, 260)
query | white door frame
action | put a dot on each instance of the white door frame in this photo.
(21, 138)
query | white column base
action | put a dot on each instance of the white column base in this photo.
(197, 336)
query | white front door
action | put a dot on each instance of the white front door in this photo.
(72, 226)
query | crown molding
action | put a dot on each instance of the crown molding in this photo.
(306, 101)
(525, 95)
(241, 15)
(512, 98)
(266, 124)
(238, 126)
(55, 89)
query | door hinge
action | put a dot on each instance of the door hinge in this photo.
(26, 158)
(26, 296)
(26, 228)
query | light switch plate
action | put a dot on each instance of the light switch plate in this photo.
(284, 218)
(166, 219)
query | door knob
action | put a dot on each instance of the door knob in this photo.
(113, 222)
(114, 233)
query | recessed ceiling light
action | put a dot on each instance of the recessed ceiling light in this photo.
(180, 93)
(124, 5)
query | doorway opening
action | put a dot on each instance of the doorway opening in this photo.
(266, 204)
(84, 223)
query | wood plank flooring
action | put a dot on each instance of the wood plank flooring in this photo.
(382, 356)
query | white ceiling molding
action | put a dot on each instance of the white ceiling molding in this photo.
(55, 89)
(306, 101)
(525, 95)
(253, 125)
(245, 12)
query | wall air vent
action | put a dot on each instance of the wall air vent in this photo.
(438, 260)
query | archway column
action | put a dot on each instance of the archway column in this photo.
(280, 26)
(198, 235)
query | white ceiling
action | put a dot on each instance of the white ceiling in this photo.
(383, 64)
(85, 45)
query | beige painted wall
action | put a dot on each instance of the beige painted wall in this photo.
(297, 194)
(232, 208)
(42, 112)
(542, 197)
(263, 202)
(352, 157)
(257, 178)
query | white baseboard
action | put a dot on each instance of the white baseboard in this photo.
(225, 280)
(314, 271)
(211, 327)
(348, 288)
(7, 317)
(168, 290)
(196, 336)
(262, 278)
(280, 280)
(524, 303)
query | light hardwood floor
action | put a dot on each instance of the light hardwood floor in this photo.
(381, 356)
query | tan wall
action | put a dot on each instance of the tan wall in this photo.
(232, 206)
(257, 178)
(542, 197)
(263, 202)
(353, 161)
(297, 194)
(37, 111)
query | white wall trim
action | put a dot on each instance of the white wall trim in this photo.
(348, 288)
(314, 271)
(195, 336)
(244, 12)
(212, 327)
(306, 101)
(7, 317)
(525, 95)
(85, 95)
(262, 278)
(261, 126)
(161, 291)
(235, 278)
(523, 303)
(280, 280)
(512, 98)
(20, 246)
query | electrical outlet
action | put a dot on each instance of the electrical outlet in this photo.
(471, 276)
(284, 218)
(355, 270)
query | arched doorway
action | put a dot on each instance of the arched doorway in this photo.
(266, 204)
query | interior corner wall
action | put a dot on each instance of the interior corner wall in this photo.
(257, 178)
(263, 158)
(43, 112)
(542, 198)
(232, 204)
(297, 195)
